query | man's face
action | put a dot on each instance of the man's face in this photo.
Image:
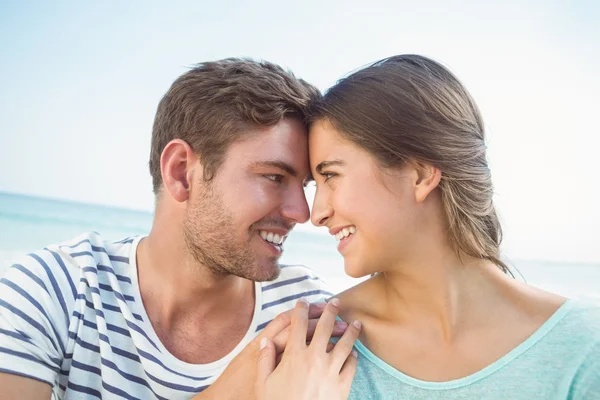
(236, 223)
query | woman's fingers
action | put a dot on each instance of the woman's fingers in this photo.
(330, 346)
(297, 337)
(325, 326)
(348, 371)
(343, 347)
(265, 364)
(339, 328)
(316, 309)
(283, 320)
(281, 339)
(331, 366)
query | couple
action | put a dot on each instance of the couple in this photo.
(200, 308)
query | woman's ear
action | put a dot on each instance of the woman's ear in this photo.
(429, 178)
(178, 163)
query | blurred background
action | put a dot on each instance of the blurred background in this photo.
(80, 83)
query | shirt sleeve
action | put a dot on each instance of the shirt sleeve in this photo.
(33, 317)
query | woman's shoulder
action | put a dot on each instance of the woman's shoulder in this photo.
(584, 317)
(574, 329)
(581, 332)
(358, 302)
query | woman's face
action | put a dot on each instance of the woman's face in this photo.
(371, 210)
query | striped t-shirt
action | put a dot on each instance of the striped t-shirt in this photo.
(71, 315)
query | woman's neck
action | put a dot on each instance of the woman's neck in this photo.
(440, 290)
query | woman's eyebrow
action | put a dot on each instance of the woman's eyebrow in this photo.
(325, 164)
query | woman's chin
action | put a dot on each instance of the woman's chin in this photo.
(355, 271)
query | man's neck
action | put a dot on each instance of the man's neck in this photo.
(172, 282)
(198, 315)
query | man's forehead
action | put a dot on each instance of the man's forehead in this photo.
(282, 146)
(284, 137)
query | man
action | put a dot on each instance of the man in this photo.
(163, 315)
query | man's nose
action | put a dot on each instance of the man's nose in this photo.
(296, 206)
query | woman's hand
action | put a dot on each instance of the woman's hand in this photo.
(308, 371)
(238, 379)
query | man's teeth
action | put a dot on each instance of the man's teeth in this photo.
(345, 232)
(272, 237)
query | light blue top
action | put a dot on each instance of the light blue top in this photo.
(561, 360)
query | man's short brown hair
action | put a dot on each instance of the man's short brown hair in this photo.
(217, 102)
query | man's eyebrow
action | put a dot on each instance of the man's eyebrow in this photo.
(277, 164)
(325, 164)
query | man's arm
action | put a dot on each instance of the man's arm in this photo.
(33, 328)
(22, 388)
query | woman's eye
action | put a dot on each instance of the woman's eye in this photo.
(328, 175)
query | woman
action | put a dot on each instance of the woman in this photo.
(398, 154)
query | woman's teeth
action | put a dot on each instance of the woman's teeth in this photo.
(345, 232)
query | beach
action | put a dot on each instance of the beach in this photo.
(30, 223)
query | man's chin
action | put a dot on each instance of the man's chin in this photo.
(266, 271)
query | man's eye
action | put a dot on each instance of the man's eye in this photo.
(274, 177)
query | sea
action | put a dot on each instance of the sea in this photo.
(30, 223)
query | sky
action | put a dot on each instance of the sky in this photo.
(80, 83)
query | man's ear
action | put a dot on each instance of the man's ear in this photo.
(178, 165)
(428, 178)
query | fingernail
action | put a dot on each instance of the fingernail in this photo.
(302, 300)
(335, 302)
(354, 354)
(263, 343)
(341, 324)
(357, 324)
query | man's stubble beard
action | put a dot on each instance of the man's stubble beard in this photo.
(207, 226)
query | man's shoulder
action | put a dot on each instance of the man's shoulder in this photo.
(61, 264)
(294, 282)
(300, 273)
(297, 280)
(91, 249)
(291, 270)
